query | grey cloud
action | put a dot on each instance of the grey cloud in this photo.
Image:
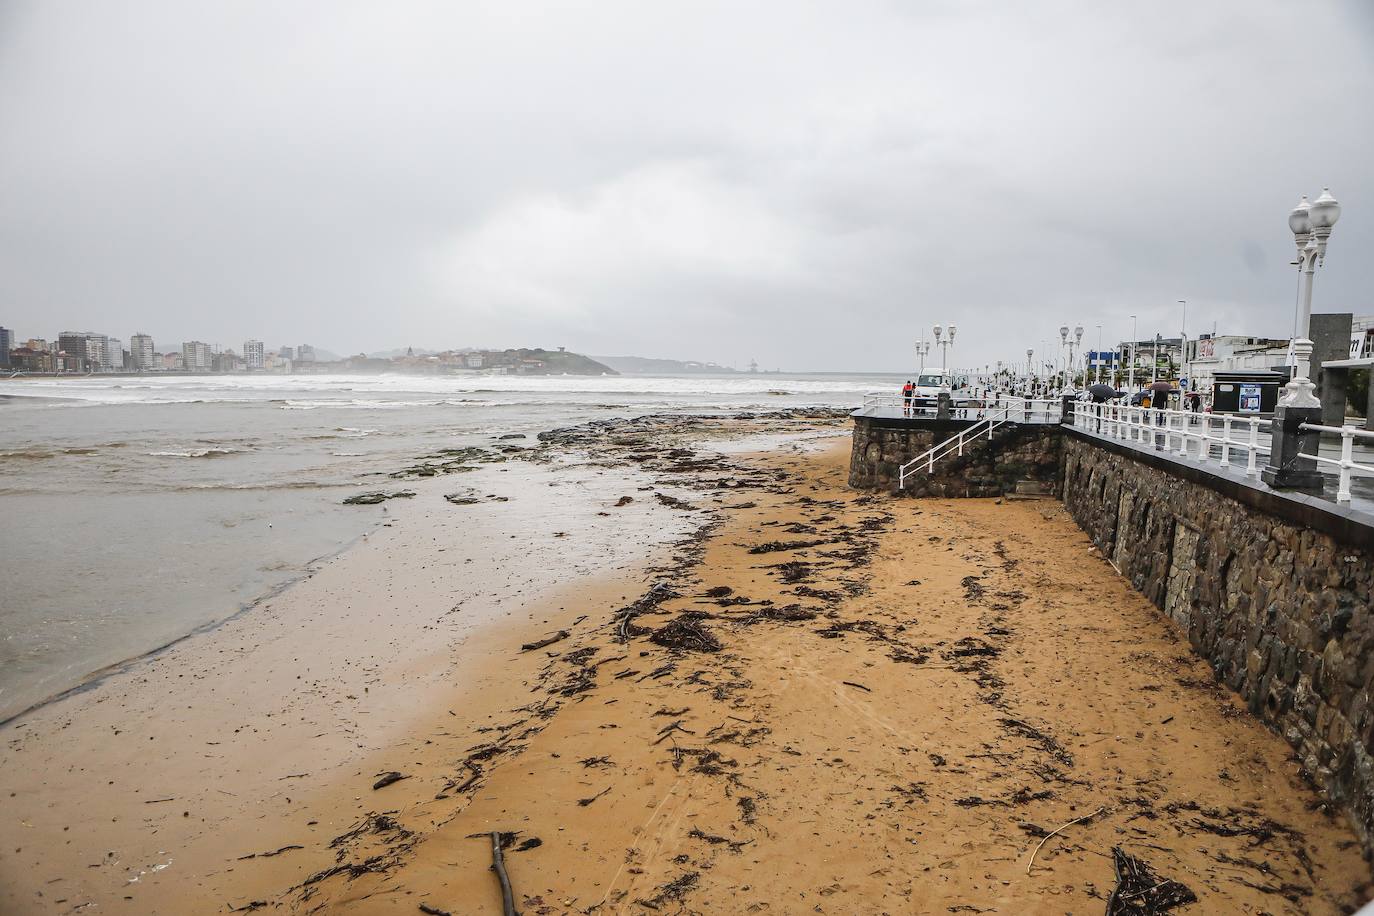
(809, 184)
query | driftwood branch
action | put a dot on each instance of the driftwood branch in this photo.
(1046, 838)
(498, 865)
(539, 644)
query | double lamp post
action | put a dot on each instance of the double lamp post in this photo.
(1291, 448)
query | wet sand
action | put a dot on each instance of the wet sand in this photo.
(815, 701)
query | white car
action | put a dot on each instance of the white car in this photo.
(926, 393)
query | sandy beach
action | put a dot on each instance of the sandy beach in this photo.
(758, 691)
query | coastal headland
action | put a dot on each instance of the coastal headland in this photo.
(675, 665)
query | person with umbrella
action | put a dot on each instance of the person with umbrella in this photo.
(1101, 394)
(1159, 395)
(1159, 400)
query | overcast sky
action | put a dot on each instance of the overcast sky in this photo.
(809, 184)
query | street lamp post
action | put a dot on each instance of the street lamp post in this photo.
(1183, 346)
(944, 343)
(1097, 363)
(1073, 362)
(951, 343)
(1130, 381)
(1291, 447)
(1063, 355)
(1311, 224)
(1030, 372)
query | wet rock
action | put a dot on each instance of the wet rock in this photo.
(372, 499)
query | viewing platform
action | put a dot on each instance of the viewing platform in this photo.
(921, 411)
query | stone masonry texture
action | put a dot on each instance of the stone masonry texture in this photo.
(1282, 612)
(987, 467)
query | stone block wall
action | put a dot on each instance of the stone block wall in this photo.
(1280, 607)
(987, 467)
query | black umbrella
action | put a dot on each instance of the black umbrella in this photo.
(1159, 393)
(1102, 393)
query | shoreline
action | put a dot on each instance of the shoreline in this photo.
(95, 678)
(713, 748)
(803, 699)
(79, 726)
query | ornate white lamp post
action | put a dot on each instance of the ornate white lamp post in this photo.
(1063, 348)
(1097, 361)
(922, 351)
(1291, 446)
(1130, 383)
(944, 345)
(1073, 363)
(1311, 223)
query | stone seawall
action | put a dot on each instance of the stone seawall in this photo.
(1274, 592)
(987, 468)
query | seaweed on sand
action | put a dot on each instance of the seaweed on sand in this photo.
(686, 632)
(1140, 891)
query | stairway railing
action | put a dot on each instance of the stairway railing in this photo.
(955, 443)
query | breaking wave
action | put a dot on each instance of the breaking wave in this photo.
(197, 453)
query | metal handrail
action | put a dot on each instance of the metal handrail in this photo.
(1024, 410)
(1346, 462)
(1159, 427)
(929, 457)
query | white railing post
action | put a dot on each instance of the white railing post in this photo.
(1250, 469)
(1347, 461)
(1225, 459)
(1185, 430)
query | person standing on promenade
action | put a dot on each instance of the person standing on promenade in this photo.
(906, 397)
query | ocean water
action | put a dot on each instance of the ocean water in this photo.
(134, 511)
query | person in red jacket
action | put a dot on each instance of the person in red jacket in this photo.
(906, 397)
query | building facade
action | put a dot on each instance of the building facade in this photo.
(85, 351)
(196, 356)
(253, 354)
(1362, 337)
(141, 353)
(6, 345)
(1228, 353)
(114, 355)
(30, 359)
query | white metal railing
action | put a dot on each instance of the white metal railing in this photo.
(956, 442)
(1022, 410)
(1032, 410)
(1346, 463)
(1199, 435)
